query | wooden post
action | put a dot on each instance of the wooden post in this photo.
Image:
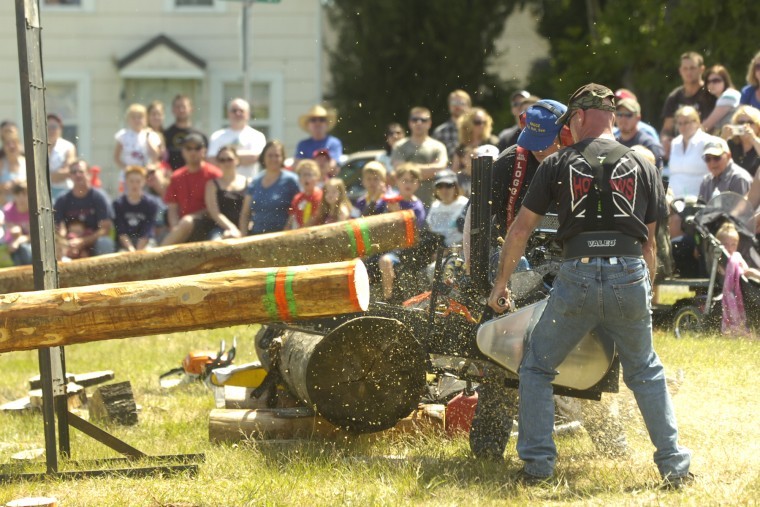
(103, 312)
(364, 376)
(335, 242)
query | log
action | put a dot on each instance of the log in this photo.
(75, 396)
(103, 312)
(364, 376)
(233, 425)
(114, 403)
(34, 501)
(335, 242)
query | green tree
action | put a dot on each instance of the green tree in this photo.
(636, 44)
(391, 56)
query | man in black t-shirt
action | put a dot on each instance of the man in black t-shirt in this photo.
(692, 93)
(182, 109)
(603, 285)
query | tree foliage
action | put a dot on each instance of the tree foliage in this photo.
(636, 44)
(393, 55)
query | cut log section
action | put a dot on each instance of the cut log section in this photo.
(227, 425)
(75, 396)
(102, 312)
(335, 242)
(34, 501)
(364, 376)
(114, 403)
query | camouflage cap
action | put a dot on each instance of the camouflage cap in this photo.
(590, 96)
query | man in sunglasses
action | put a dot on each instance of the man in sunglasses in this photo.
(447, 132)
(419, 148)
(725, 175)
(318, 122)
(627, 118)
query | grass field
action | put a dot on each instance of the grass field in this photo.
(715, 404)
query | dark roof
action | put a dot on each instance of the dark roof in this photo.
(155, 42)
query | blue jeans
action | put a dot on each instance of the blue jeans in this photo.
(614, 299)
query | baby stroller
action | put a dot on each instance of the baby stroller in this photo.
(702, 314)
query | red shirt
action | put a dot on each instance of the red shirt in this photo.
(304, 207)
(188, 190)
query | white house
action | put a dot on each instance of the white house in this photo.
(102, 55)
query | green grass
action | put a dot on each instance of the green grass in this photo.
(716, 405)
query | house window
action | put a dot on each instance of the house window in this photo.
(260, 100)
(62, 99)
(68, 5)
(194, 5)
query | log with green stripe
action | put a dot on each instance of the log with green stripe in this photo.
(101, 312)
(324, 243)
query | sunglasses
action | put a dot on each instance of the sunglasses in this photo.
(712, 158)
(715, 80)
(419, 119)
(478, 123)
(224, 160)
(757, 66)
(745, 122)
(624, 115)
(444, 185)
(318, 119)
(237, 110)
(192, 148)
(395, 133)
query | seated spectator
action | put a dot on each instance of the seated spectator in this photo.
(61, 153)
(327, 169)
(91, 207)
(628, 118)
(318, 122)
(724, 175)
(625, 93)
(269, 195)
(394, 132)
(373, 181)
(683, 245)
(720, 85)
(16, 214)
(447, 132)
(225, 196)
(743, 136)
(447, 207)
(135, 212)
(306, 202)
(12, 164)
(335, 206)
(408, 181)
(76, 230)
(520, 101)
(474, 131)
(751, 92)
(185, 197)
(248, 141)
(136, 144)
(687, 168)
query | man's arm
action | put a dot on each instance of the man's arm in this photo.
(172, 214)
(513, 249)
(650, 250)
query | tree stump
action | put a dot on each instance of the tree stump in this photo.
(114, 403)
(364, 376)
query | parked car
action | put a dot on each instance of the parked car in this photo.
(351, 171)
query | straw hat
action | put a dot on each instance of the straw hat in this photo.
(318, 111)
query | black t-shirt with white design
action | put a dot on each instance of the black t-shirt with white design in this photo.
(565, 179)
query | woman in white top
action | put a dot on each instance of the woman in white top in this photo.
(447, 207)
(719, 83)
(61, 153)
(686, 165)
(136, 144)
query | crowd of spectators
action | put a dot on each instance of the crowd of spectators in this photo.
(176, 184)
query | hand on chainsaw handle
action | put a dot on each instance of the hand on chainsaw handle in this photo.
(500, 300)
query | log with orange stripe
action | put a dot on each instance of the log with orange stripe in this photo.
(334, 242)
(102, 312)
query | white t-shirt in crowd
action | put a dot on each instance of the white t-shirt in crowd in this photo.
(56, 160)
(442, 219)
(246, 139)
(134, 145)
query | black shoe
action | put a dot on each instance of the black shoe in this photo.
(523, 477)
(678, 482)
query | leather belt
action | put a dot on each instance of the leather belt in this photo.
(601, 244)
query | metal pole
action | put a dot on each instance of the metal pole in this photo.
(244, 35)
(42, 231)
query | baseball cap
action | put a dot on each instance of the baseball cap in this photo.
(590, 96)
(321, 152)
(629, 104)
(445, 176)
(624, 93)
(541, 125)
(715, 146)
(194, 138)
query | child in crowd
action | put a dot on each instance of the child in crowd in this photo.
(373, 181)
(75, 229)
(305, 204)
(734, 318)
(408, 180)
(17, 236)
(135, 213)
(335, 206)
(136, 144)
(446, 207)
(326, 168)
